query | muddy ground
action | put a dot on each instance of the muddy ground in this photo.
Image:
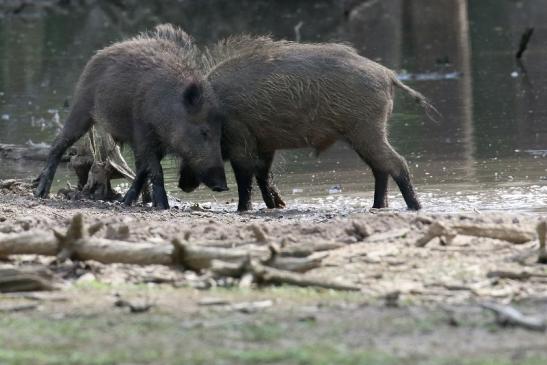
(417, 305)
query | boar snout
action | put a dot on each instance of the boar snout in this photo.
(215, 179)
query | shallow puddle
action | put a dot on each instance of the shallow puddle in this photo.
(487, 152)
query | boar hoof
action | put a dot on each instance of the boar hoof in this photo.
(42, 187)
(244, 207)
(414, 206)
(130, 197)
(159, 200)
(279, 203)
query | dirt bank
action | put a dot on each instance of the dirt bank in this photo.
(417, 304)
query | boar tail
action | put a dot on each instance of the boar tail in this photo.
(431, 112)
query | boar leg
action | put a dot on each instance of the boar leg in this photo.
(134, 191)
(264, 178)
(148, 165)
(155, 173)
(78, 123)
(243, 171)
(380, 188)
(384, 160)
(149, 162)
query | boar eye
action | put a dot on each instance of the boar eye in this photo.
(204, 133)
(192, 97)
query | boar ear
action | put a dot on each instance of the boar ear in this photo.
(192, 97)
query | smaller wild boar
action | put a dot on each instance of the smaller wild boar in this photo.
(283, 95)
(147, 92)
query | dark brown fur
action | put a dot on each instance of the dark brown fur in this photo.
(279, 95)
(147, 92)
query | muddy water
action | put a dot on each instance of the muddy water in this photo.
(487, 153)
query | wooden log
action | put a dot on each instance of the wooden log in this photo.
(307, 249)
(198, 258)
(229, 269)
(111, 251)
(296, 264)
(80, 246)
(28, 243)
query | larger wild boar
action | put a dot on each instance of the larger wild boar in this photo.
(147, 92)
(282, 95)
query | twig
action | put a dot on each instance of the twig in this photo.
(297, 35)
(524, 39)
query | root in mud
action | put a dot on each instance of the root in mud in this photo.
(98, 161)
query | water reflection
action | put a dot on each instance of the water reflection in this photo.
(492, 111)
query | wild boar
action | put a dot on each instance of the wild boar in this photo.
(149, 93)
(283, 95)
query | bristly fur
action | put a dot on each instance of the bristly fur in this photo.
(165, 44)
(246, 44)
(170, 33)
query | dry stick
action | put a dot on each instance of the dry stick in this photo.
(542, 231)
(500, 232)
(264, 274)
(199, 258)
(524, 39)
(16, 280)
(306, 249)
(506, 315)
(437, 229)
(297, 35)
(515, 275)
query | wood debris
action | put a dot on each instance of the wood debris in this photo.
(252, 263)
(542, 231)
(447, 233)
(509, 316)
(19, 280)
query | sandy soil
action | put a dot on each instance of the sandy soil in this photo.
(439, 288)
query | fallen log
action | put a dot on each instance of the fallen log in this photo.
(79, 243)
(198, 258)
(28, 243)
(499, 232)
(260, 264)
